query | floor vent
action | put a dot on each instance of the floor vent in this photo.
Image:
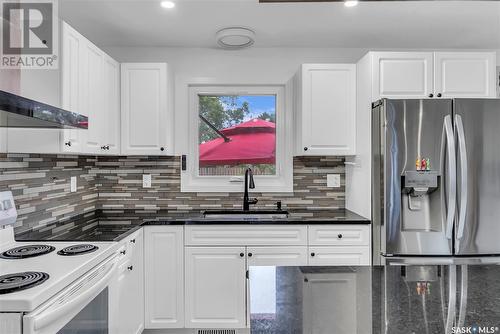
(216, 331)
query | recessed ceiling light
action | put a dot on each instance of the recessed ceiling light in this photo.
(350, 3)
(235, 38)
(167, 4)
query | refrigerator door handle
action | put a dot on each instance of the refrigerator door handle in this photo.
(452, 172)
(463, 295)
(462, 149)
(452, 299)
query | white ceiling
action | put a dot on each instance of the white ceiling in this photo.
(193, 23)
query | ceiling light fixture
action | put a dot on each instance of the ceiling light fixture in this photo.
(167, 4)
(235, 38)
(350, 3)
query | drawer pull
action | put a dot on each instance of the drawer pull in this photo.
(250, 254)
(130, 268)
(123, 252)
(313, 254)
(340, 236)
(132, 241)
(242, 254)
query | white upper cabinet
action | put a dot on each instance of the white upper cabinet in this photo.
(111, 135)
(326, 109)
(144, 128)
(93, 98)
(402, 74)
(71, 62)
(465, 74)
(90, 86)
(433, 74)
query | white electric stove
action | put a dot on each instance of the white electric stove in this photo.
(44, 286)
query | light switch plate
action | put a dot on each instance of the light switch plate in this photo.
(146, 180)
(333, 180)
(73, 185)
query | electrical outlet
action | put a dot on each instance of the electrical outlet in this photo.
(146, 180)
(72, 186)
(333, 180)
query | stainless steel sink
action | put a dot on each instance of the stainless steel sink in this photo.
(240, 214)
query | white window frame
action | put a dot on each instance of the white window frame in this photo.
(191, 181)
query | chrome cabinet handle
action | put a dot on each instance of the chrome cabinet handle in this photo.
(132, 241)
(130, 268)
(462, 149)
(68, 143)
(452, 170)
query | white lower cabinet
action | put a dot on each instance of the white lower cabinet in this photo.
(164, 277)
(129, 307)
(277, 256)
(196, 275)
(339, 256)
(215, 287)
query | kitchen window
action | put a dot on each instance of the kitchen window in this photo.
(235, 128)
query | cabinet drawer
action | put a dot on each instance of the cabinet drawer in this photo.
(246, 235)
(277, 256)
(339, 256)
(339, 235)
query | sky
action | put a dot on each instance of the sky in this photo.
(259, 104)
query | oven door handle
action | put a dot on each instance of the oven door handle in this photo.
(62, 308)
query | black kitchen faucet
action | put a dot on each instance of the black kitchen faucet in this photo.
(249, 183)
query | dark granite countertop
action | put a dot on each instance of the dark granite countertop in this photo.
(114, 225)
(375, 300)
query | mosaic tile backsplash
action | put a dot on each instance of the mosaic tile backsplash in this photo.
(40, 184)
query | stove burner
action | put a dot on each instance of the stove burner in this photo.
(77, 250)
(23, 252)
(21, 281)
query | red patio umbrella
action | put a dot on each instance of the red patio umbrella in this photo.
(251, 142)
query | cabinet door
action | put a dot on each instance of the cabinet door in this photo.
(144, 108)
(465, 74)
(339, 256)
(330, 303)
(402, 74)
(93, 97)
(111, 121)
(215, 287)
(164, 277)
(71, 62)
(277, 256)
(328, 109)
(130, 297)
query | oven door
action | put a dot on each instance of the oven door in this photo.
(82, 307)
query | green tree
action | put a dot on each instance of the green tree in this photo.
(267, 117)
(222, 112)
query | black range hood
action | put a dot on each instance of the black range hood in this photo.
(19, 112)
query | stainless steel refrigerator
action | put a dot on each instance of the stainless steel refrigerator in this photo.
(436, 179)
